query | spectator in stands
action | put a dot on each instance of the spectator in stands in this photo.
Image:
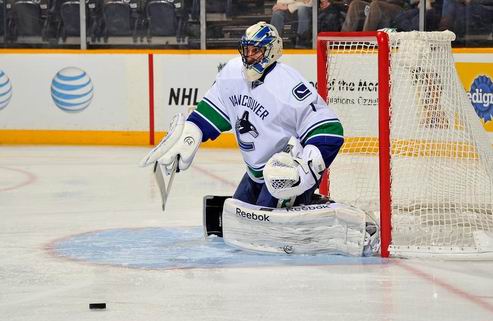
(453, 17)
(355, 16)
(294, 10)
(479, 17)
(371, 16)
(409, 19)
(331, 15)
(471, 17)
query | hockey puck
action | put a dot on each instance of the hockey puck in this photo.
(97, 306)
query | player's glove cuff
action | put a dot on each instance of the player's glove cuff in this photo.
(183, 139)
(312, 162)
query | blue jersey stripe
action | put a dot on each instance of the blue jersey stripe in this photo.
(209, 131)
(328, 145)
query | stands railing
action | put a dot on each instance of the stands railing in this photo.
(218, 24)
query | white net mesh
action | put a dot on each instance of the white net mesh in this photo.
(281, 184)
(441, 158)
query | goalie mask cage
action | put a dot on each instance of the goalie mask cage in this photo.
(415, 154)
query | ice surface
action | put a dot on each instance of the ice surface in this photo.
(84, 224)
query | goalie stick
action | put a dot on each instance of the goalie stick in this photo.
(158, 175)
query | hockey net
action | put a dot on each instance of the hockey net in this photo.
(415, 154)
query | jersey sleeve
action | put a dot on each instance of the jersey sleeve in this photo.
(210, 115)
(318, 125)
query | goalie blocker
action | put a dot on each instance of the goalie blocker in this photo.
(329, 228)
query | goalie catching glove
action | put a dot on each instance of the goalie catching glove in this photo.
(289, 174)
(182, 141)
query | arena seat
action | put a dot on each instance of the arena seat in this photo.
(161, 18)
(70, 19)
(120, 18)
(27, 18)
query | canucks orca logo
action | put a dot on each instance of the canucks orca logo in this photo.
(5, 90)
(71, 89)
(244, 126)
(481, 96)
(300, 91)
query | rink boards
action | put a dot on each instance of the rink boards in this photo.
(129, 97)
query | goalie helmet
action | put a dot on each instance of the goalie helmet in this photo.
(264, 37)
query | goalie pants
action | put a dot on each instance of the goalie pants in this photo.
(256, 193)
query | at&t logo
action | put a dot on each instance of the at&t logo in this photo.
(5, 90)
(481, 96)
(71, 89)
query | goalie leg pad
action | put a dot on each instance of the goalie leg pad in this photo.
(309, 229)
(212, 216)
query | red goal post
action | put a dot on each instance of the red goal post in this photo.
(383, 109)
(415, 156)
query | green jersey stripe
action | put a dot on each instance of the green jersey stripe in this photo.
(208, 112)
(255, 173)
(329, 129)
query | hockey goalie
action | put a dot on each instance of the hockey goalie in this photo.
(287, 136)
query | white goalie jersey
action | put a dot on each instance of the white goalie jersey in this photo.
(263, 114)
